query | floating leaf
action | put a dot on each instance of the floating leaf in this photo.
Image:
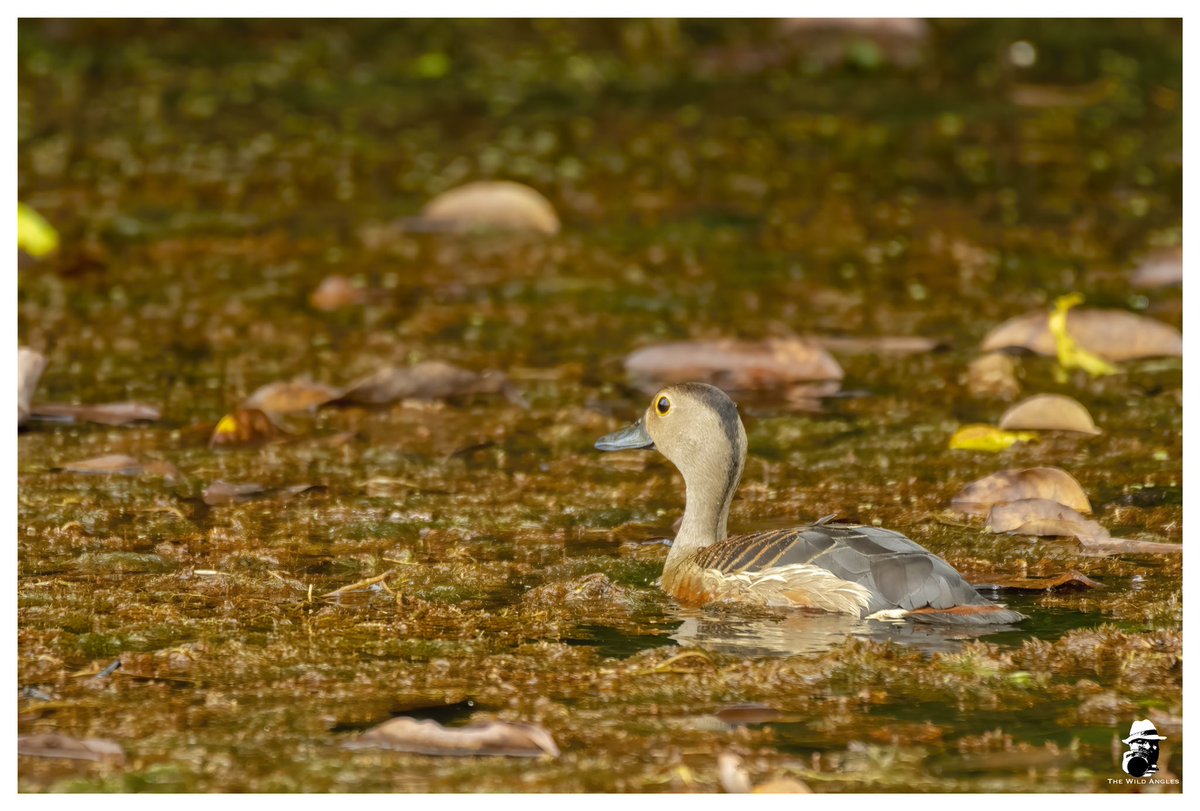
(735, 365)
(1050, 412)
(336, 292)
(492, 206)
(1070, 354)
(220, 492)
(54, 745)
(987, 438)
(246, 426)
(1013, 516)
(429, 380)
(878, 344)
(993, 375)
(291, 396)
(428, 737)
(1114, 335)
(113, 463)
(733, 776)
(1069, 581)
(30, 365)
(1160, 269)
(103, 413)
(782, 785)
(749, 714)
(1014, 485)
(35, 235)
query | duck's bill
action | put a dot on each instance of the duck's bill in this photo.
(633, 438)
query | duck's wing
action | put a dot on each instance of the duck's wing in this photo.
(895, 572)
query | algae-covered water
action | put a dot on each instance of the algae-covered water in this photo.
(733, 179)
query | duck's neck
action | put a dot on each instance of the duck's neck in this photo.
(709, 495)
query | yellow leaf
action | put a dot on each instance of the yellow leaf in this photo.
(1070, 354)
(35, 236)
(987, 438)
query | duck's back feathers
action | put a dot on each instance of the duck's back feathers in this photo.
(893, 573)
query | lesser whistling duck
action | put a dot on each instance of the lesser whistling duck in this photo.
(850, 569)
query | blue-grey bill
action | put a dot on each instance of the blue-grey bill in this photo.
(632, 438)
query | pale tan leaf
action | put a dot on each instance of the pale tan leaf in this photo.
(1160, 269)
(112, 463)
(877, 344)
(734, 779)
(336, 292)
(30, 365)
(1049, 412)
(429, 380)
(493, 206)
(735, 365)
(54, 745)
(1114, 335)
(428, 737)
(782, 785)
(103, 413)
(290, 396)
(1030, 513)
(1014, 485)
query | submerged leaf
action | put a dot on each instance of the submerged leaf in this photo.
(1014, 485)
(291, 396)
(101, 413)
(1070, 354)
(428, 737)
(246, 426)
(1050, 412)
(735, 365)
(429, 380)
(750, 714)
(30, 365)
(492, 205)
(987, 438)
(889, 344)
(1114, 335)
(220, 492)
(1016, 516)
(54, 745)
(35, 235)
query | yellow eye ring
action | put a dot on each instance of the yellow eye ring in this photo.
(662, 406)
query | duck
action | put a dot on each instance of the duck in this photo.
(828, 566)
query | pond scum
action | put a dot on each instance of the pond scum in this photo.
(463, 555)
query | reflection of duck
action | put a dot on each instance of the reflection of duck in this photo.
(839, 568)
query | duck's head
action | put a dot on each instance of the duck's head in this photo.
(696, 426)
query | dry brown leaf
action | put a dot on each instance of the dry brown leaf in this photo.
(336, 292)
(54, 745)
(429, 380)
(290, 396)
(993, 375)
(1014, 485)
(1114, 335)
(749, 714)
(30, 365)
(735, 365)
(246, 426)
(492, 206)
(103, 413)
(1068, 581)
(113, 463)
(1049, 412)
(428, 737)
(1160, 269)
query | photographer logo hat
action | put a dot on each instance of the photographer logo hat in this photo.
(1142, 758)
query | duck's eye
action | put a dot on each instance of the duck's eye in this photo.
(663, 406)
